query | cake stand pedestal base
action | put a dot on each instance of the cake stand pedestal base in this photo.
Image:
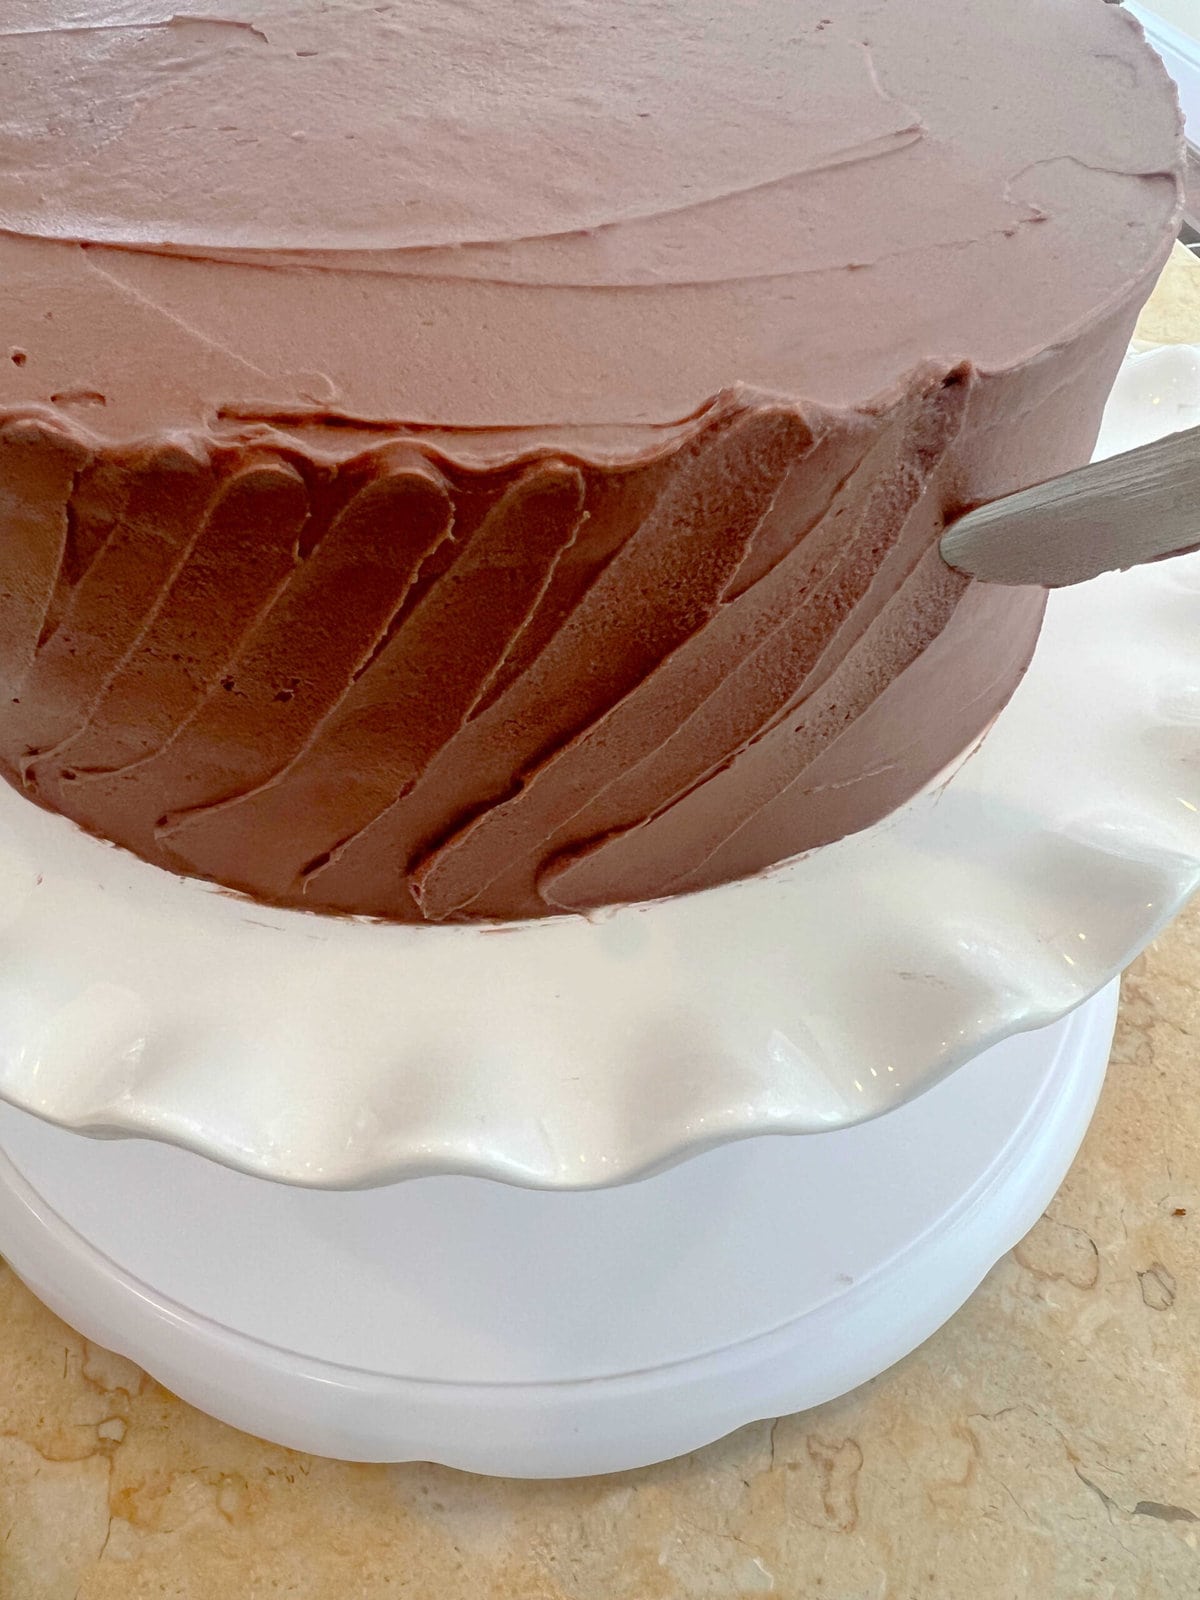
(552, 1333)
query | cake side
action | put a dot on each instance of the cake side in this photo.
(436, 693)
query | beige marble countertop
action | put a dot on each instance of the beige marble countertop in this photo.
(1044, 1444)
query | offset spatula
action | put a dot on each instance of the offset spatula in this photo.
(1133, 508)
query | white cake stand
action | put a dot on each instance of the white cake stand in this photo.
(544, 1334)
(585, 1322)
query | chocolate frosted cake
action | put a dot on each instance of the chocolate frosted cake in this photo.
(476, 459)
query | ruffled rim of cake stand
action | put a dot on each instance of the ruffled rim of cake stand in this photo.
(573, 1053)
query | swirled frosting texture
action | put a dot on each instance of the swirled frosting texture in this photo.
(477, 460)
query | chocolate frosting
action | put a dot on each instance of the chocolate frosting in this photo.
(477, 460)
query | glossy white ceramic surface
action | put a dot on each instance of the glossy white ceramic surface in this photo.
(549, 1334)
(576, 1053)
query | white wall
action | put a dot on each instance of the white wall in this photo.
(1184, 14)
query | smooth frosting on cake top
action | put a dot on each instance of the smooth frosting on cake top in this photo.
(557, 214)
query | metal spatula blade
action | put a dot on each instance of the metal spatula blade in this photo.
(1133, 508)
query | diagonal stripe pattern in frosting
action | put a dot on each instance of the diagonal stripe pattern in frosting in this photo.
(474, 461)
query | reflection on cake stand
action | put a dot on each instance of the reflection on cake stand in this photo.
(509, 1330)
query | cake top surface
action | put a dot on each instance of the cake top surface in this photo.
(392, 128)
(559, 215)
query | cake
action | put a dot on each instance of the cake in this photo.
(477, 460)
